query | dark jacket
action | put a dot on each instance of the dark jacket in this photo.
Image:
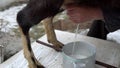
(112, 18)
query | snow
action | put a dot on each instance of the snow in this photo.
(1, 46)
(9, 17)
(4, 3)
(114, 36)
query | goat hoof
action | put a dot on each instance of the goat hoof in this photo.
(40, 66)
(58, 47)
(36, 66)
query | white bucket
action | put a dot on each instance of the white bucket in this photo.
(83, 55)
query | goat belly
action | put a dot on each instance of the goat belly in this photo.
(37, 10)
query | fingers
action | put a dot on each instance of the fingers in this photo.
(80, 14)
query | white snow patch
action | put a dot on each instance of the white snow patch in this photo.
(9, 16)
(114, 36)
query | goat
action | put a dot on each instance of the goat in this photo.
(37, 10)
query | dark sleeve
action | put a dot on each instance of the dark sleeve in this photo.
(112, 18)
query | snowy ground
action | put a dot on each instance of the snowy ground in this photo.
(9, 40)
(10, 44)
(8, 17)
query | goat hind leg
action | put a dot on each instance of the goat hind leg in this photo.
(28, 53)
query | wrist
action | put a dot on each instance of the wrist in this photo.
(97, 14)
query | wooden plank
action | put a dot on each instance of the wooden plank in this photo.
(107, 52)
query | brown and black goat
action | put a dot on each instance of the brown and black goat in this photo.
(37, 10)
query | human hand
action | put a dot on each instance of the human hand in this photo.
(79, 14)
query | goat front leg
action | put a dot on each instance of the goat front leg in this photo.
(51, 34)
(28, 53)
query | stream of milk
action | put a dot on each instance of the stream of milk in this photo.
(76, 33)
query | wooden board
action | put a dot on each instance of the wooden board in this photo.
(107, 52)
